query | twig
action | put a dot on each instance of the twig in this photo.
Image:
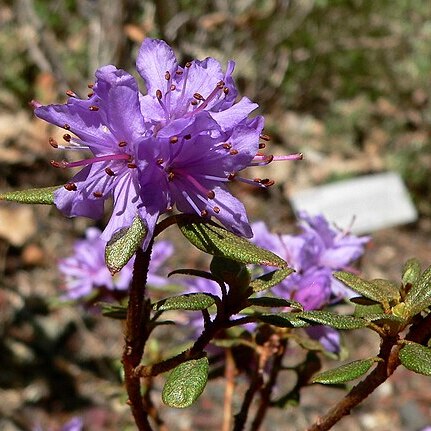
(230, 371)
(265, 398)
(137, 332)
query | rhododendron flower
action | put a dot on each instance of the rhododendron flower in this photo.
(86, 272)
(314, 254)
(179, 144)
(75, 424)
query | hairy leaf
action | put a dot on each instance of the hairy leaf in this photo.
(268, 301)
(344, 373)
(188, 301)
(213, 239)
(416, 358)
(419, 296)
(185, 383)
(333, 320)
(270, 279)
(43, 195)
(124, 244)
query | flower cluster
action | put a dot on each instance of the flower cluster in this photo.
(315, 253)
(179, 144)
(85, 272)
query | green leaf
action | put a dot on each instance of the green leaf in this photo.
(411, 271)
(213, 239)
(368, 310)
(381, 291)
(268, 301)
(419, 296)
(416, 358)
(270, 279)
(282, 320)
(344, 373)
(115, 311)
(337, 321)
(189, 301)
(185, 383)
(43, 195)
(124, 244)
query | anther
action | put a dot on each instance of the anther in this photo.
(262, 146)
(71, 187)
(233, 152)
(132, 165)
(220, 84)
(265, 137)
(231, 176)
(122, 144)
(210, 194)
(194, 102)
(173, 139)
(198, 96)
(167, 76)
(257, 180)
(188, 64)
(93, 108)
(53, 143)
(159, 94)
(70, 93)
(67, 137)
(171, 176)
(90, 94)
(55, 164)
(159, 161)
(216, 210)
(173, 87)
(66, 126)
(90, 85)
(97, 194)
(267, 182)
(227, 146)
(204, 213)
(110, 172)
(188, 136)
(226, 90)
(179, 72)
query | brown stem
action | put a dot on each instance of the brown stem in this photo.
(137, 332)
(265, 399)
(255, 385)
(230, 372)
(150, 407)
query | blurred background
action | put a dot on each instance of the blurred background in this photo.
(346, 82)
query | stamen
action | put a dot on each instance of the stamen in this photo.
(90, 85)
(198, 96)
(67, 137)
(173, 87)
(85, 162)
(211, 194)
(122, 144)
(262, 146)
(173, 139)
(132, 165)
(160, 161)
(167, 76)
(97, 194)
(204, 213)
(231, 176)
(227, 146)
(187, 137)
(71, 187)
(261, 159)
(188, 64)
(216, 210)
(66, 126)
(70, 93)
(179, 72)
(159, 94)
(233, 152)
(265, 137)
(110, 172)
(226, 90)
(171, 176)
(53, 143)
(93, 108)
(90, 94)
(194, 102)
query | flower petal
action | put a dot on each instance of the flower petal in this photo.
(155, 58)
(230, 117)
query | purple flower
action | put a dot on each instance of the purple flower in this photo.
(315, 253)
(180, 144)
(75, 424)
(85, 271)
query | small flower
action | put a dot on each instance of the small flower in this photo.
(180, 144)
(314, 254)
(85, 271)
